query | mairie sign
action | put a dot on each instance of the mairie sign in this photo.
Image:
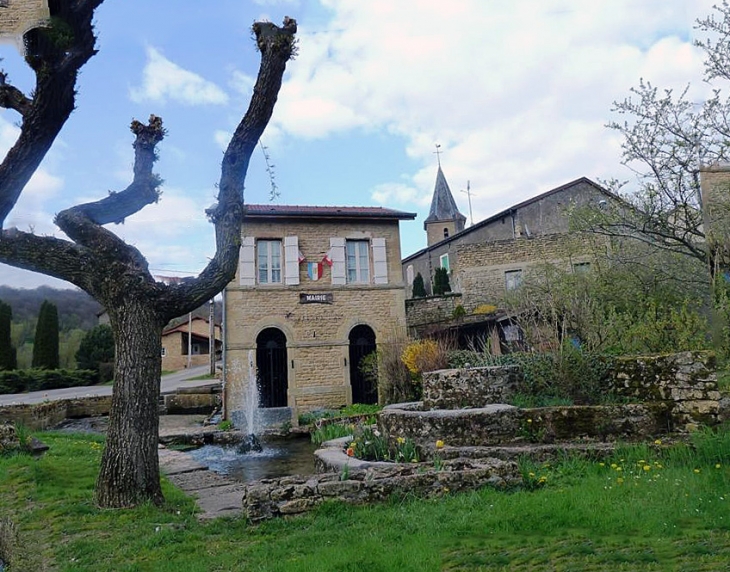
(324, 298)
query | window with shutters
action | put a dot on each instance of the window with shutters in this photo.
(269, 261)
(444, 261)
(357, 261)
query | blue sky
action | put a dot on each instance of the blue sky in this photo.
(516, 92)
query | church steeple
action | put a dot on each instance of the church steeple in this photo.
(444, 218)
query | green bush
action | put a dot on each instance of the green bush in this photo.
(441, 284)
(419, 288)
(570, 375)
(19, 381)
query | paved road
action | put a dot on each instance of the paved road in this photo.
(168, 383)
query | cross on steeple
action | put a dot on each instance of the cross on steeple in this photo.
(438, 154)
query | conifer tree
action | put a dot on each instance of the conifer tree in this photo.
(441, 283)
(8, 354)
(45, 345)
(96, 348)
(419, 288)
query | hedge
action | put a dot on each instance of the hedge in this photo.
(22, 380)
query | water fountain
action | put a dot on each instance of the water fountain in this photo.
(251, 410)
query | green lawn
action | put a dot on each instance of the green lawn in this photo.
(647, 512)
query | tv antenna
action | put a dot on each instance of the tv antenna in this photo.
(468, 194)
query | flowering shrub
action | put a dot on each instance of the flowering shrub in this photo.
(424, 355)
(485, 309)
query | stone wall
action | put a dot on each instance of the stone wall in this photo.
(687, 381)
(499, 424)
(19, 16)
(431, 310)
(475, 387)
(41, 416)
(291, 495)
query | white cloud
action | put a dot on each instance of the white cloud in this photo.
(516, 92)
(164, 80)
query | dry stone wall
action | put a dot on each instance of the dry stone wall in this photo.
(475, 387)
(686, 380)
(292, 495)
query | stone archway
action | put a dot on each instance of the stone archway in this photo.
(362, 343)
(271, 361)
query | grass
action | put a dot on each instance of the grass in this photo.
(200, 377)
(576, 516)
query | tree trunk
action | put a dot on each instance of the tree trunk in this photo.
(130, 467)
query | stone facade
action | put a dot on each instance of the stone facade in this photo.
(19, 16)
(542, 216)
(484, 267)
(316, 316)
(175, 345)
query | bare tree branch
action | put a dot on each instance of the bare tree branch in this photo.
(12, 98)
(56, 59)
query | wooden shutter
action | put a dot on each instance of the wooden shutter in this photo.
(247, 262)
(291, 260)
(337, 256)
(380, 261)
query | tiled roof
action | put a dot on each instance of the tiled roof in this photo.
(443, 205)
(325, 212)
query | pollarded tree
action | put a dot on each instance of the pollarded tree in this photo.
(96, 260)
(8, 354)
(45, 343)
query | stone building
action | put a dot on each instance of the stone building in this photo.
(19, 16)
(187, 343)
(493, 256)
(316, 290)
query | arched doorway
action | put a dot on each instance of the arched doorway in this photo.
(271, 362)
(362, 343)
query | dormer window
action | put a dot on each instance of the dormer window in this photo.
(446, 232)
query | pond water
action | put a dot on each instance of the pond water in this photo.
(279, 458)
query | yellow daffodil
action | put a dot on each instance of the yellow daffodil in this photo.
(439, 444)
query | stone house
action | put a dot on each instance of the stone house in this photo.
(17, 17)
(186, 343)
(316, 290)
(493, 256)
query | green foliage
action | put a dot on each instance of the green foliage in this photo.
(330, 431)
(45, 346)
(579, 518)
(419, 288)
(615, 309)
(369, 444)
(567, 376)
(19, 381)
(225, 425)
(441, 283)
(8, 353)
(459, 312)
(97, 348)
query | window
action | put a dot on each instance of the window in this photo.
(446, 232)
(444, 259)
(358, 263)
(581, 267)
(512, 279)
(269, 261)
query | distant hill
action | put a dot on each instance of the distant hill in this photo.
(76, 309)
